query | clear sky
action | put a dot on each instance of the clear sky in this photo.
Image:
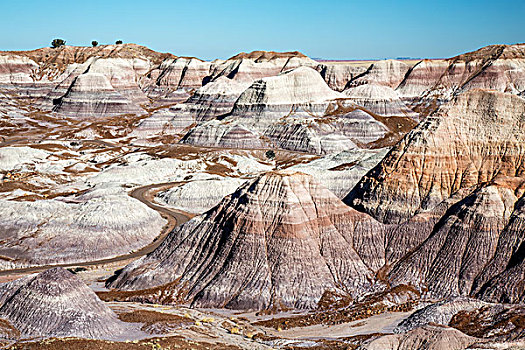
(219, 29)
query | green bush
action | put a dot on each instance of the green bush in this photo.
(94, 43)
(57, 43)
(118, 42)
(270, 154)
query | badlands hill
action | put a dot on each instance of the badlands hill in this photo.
(57, 303)
(452, 187)
(142, 90)
(296, 111)
(98, 146)
(497, 67)
(279, 241)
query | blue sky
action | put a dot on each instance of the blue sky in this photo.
(219, 29)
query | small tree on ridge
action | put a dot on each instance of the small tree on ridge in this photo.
(57, 43)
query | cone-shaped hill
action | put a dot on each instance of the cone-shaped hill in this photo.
(56, 303)
(279, 241)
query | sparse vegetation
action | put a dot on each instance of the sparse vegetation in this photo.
(94, 43)
(118, 42)
(270, 154)
(57, 43)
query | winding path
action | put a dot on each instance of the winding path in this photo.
(144, 194)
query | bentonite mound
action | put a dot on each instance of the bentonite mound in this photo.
(496, 67)
(248, 67)
(438, 313)
(213, 100)
(388, 72)
(423, 338)
(96, 225)
(92, 95)
(379, 99)
(502, 279)
(296, 111)
(467, 142)
(462, 250)
(450, 189)
(56, 303)
(279, 241)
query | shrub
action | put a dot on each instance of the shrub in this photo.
(270, 154)
(94, 43)
(118, 42)
(57, 43)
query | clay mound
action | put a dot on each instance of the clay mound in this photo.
(438, 313)
(502, 280)
(496, 67)
(461, 246)
(295, 110)
(338, 75)
(213, 100)
(92, 95)
(379, 99)
(15, 69)
(465, 143)
(175, 74)
(424, 338)
(279, 241)
(493, 51)
(96, 225)
(302, 85)
(56, 303)
(422, 78)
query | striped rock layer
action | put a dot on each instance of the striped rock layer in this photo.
(279, 241)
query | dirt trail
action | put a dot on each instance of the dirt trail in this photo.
(145, 194)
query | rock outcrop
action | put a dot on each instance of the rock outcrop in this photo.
(501, 322)
(56, 303)
(279, 241)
